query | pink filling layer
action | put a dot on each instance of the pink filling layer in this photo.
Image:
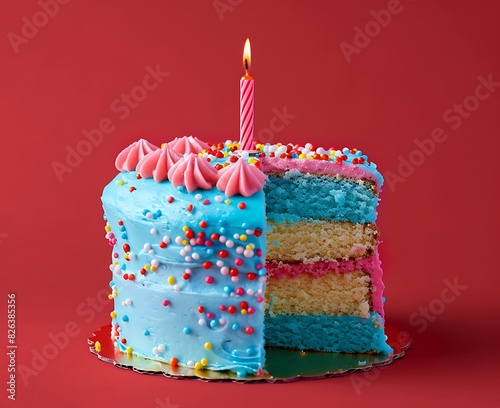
(370, 265)
(276, 165)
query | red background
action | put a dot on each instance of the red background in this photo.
(438, 224)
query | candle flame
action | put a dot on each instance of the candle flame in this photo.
(247, 55)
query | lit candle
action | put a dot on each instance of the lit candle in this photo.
(246, 102)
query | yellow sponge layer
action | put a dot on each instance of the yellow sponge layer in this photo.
(330, 294)
(310, 242)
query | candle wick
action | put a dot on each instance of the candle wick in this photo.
(246, 66)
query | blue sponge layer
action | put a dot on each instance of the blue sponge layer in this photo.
(346, 333)
(295, 196)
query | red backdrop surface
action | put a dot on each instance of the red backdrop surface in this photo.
(377, 75)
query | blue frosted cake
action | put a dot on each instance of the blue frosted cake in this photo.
(218, 254)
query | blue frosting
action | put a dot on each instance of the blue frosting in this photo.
(156, 307)
(296, 196)
(345, 333)
(177, 327)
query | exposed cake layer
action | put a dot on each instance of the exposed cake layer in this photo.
(370, 265)
(346, 293)
(320, 241)
(351, 334)
(292, 196)
(345, 168)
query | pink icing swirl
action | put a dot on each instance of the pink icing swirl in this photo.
(241, 178)
(188, 144)
(193, 172)
(129, 157)
(156, 164)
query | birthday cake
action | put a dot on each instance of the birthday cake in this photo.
(219, 253)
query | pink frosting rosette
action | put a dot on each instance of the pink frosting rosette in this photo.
(240, 178)
(193, 172)
(129, 157)
(188, 144)
(157, 163)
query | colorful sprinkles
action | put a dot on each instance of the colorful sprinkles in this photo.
(221, 151)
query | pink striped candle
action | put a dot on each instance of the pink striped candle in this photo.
(246, 102)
